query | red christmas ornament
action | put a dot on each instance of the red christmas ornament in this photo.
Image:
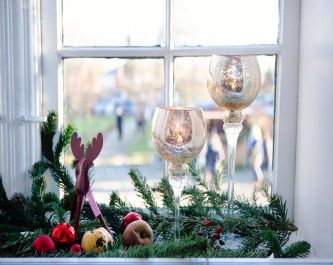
(216, 236)
(130, 217)
(43, 244)
(76, 248)
(218, 230)
(207, 223)
(64, 234)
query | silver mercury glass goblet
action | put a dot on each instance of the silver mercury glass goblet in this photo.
(234, 83)
(178, 135)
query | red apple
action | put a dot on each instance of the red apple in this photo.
(138, 233)
(130, 217)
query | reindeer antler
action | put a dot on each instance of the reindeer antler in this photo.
(95, 147)
(77, 147)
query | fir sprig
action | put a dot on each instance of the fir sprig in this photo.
(143, 190)
(63, 142)
(165, 190)
(48, 131)
(298, 249)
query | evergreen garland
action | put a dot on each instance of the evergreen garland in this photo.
(265, 229)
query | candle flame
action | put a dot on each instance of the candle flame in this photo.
(179, 138)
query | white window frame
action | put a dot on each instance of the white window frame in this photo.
(287, 51)
(20, 87)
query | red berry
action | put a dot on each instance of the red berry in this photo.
(200, 233)
(216, 236)
(76, 248)
(207, 223)
(43, 244)
(130, 217)
(218, 230)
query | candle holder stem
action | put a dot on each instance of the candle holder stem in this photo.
(178, 180)
(232, 131)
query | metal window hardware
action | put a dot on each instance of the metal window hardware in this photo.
(37, 119)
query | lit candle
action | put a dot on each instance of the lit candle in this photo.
(179, 136)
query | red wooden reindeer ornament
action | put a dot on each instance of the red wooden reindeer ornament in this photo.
(82, 184)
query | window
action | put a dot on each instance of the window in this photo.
(111, 62)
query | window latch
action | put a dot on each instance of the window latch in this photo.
(37, 119)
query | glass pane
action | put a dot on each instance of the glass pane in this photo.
(226, 22)
(255, 144)
(116, 97)
(113, 22)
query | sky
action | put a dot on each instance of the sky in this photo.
(196, 22)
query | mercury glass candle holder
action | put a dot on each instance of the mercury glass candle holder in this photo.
(234, 83)
(178, 135)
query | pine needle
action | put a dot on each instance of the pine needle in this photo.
(143, 190)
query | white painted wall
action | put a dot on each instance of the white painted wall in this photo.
(314, 166)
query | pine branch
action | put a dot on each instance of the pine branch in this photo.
(58, 171)
(196, 175)
(39, 168)
(165, 189)
(16, 244)
(38, 189)
(59, 212)
(48, 130)
(278, 208)
(220, 173)
(272, 243)
(216, 200)
(196, 199)
(50, 198)
(143, 190)
(297, 250)
(62, 177)
(63, 142)
(18, 211)
(116, 201)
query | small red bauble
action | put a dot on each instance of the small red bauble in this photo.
(43, 244)
(218, 230)
(207, 223)
(64, 234)
(76, 248)
(216, 236)
(131, 217)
